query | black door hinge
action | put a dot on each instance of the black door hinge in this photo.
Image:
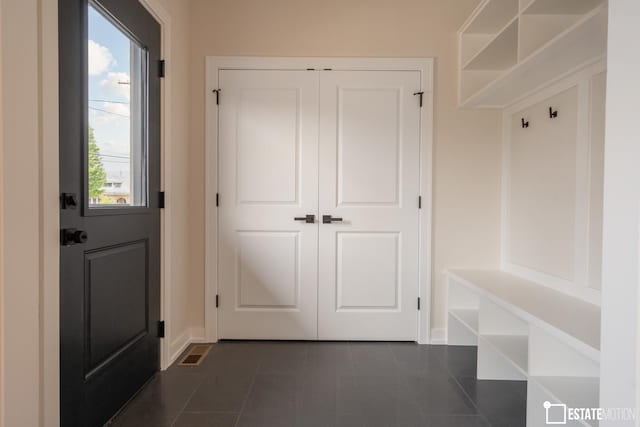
(161, 329)
(217, 92)
(419, 202)
(217, 199)
(161, 200)
(421, 94)
(161, 68)
(418, 303)
(217, 301)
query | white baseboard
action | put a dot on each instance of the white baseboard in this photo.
(180, 344)
(438, 336)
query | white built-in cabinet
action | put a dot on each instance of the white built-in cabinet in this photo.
(528, 332)
(537, 317)
(510, 48)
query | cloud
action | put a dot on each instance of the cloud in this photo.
(117, 85)
(118, 147)
(100, 59)
(109, 113)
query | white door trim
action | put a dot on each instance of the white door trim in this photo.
(214, 64)
(166, 143)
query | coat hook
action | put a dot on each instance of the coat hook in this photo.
(553, 114)
(525, 124)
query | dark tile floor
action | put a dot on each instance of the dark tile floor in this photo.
(328, 384)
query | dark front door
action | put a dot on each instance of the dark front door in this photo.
(110, 220)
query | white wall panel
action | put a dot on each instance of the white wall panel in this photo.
(542, 195)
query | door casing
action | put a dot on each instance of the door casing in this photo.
(214, 64)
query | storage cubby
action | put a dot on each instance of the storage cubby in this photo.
(472, 44)
(560, 7)
(523, 333)
(500, 358)
(538, 30)
(574, 392)
(463, 315)
(491, 16)
(550, 356)
(461, 332)
(560, 373)
(475, 80)
(500, 52)
(526, 44)
(503, 343)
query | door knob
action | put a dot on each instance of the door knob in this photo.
(309, 218)
(328, 219)
(72, 236)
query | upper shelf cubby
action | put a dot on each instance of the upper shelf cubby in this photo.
(560, 7)
(499, 53)
(508, 48)
(491, 16)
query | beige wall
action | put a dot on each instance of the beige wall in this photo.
(467, 143)
(29, 302)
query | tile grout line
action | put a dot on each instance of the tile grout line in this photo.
(455, 379)
(181, 411)
(246, 397)
(202, 380)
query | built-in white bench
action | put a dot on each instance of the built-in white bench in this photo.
(529, 332)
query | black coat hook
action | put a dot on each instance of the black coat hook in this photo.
(553, 113)
(525, 124)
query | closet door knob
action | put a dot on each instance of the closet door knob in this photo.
(328, 219)
(309, 218)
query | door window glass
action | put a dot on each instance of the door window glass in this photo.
(116, 141)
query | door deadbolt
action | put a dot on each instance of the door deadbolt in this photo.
(69, 200)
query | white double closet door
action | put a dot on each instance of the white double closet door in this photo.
(339, 143)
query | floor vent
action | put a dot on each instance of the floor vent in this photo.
(195, 356)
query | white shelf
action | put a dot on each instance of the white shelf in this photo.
(576, 392)
(473, 81)
(500, 53)
(472, 44)
(537, 30)
(561, 7)
(490, 16)
(513, 347)
(540, 306)
(543, 43)
(467, 317)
